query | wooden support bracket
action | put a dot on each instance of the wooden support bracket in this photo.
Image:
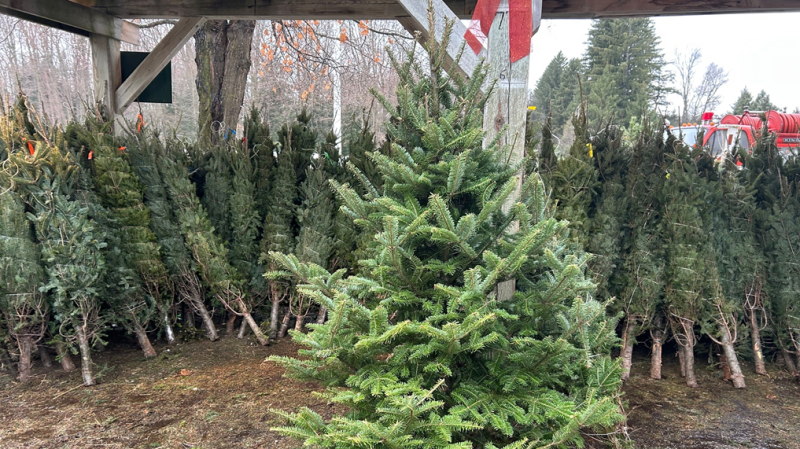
(418, 21)
(162, 54)
(72, 17)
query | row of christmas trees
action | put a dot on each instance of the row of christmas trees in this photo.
(98, 233)
(689, 246)
(416, 344)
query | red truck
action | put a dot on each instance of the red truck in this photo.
(741, 131)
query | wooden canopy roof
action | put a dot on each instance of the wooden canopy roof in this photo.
(391, 9)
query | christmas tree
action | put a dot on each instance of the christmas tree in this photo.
(417, 347)
(24, 308)
(640, 281)
(72, 245)
(186, 286)
(120, 192)
(209, 252)
(278, 234)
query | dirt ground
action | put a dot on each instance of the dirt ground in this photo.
(667, 414)
(193, 395)
(218, 395)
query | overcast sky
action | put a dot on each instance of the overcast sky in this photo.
(760, 51)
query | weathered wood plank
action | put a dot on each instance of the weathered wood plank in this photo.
(71, 17)
(418, 22)
(506, 108)
(169, 46)
(391, 10)
(106, 70)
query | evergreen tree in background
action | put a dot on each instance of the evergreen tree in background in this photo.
(207, 249)
(217, 190)
(557, 93)
(741, 261)
(71, 242)
(144, 155)
(763, 103)
(259, 141)
(24, 308)
(745, 100)
(573, 181)
(417, 347)
(776, 192)
(640, 281)
(625, 68)
(278, 234)
(122, 195)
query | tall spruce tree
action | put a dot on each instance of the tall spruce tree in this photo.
(625, 67)
(557, 92)
(417, 347)
(744, 101)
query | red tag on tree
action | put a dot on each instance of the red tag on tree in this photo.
(30, 147)
(91, 153)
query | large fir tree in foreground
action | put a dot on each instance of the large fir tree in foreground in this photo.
(417, 347)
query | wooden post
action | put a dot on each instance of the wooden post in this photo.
(106, 71)
(507, 106)
(417, 21)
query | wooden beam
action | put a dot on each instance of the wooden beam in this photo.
(392, 10)
(598, 9)
(418, 22)
(72, 17)
(152, 65)
(106, 70)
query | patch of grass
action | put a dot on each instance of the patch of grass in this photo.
(211, 415)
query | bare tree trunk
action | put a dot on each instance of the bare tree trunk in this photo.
(688, 357)
(285, 324)
(756, 337)
(262, 339)
(66, 359)
(47, 362)
(230, 324)
(300, 324)
(274, 314)
(726, 368)
(242, 329)
(682, 360)
(627, 348)
(655, 357)
(144, 341)
(222, 50)
(730, 354)
(323, 313)
(26, 345)
(168, 330)
(208, 323)
(787, 360)
(86, 356)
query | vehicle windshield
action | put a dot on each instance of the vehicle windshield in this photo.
(716, 142)
(688, 135)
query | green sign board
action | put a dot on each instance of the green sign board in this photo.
(159, 90)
